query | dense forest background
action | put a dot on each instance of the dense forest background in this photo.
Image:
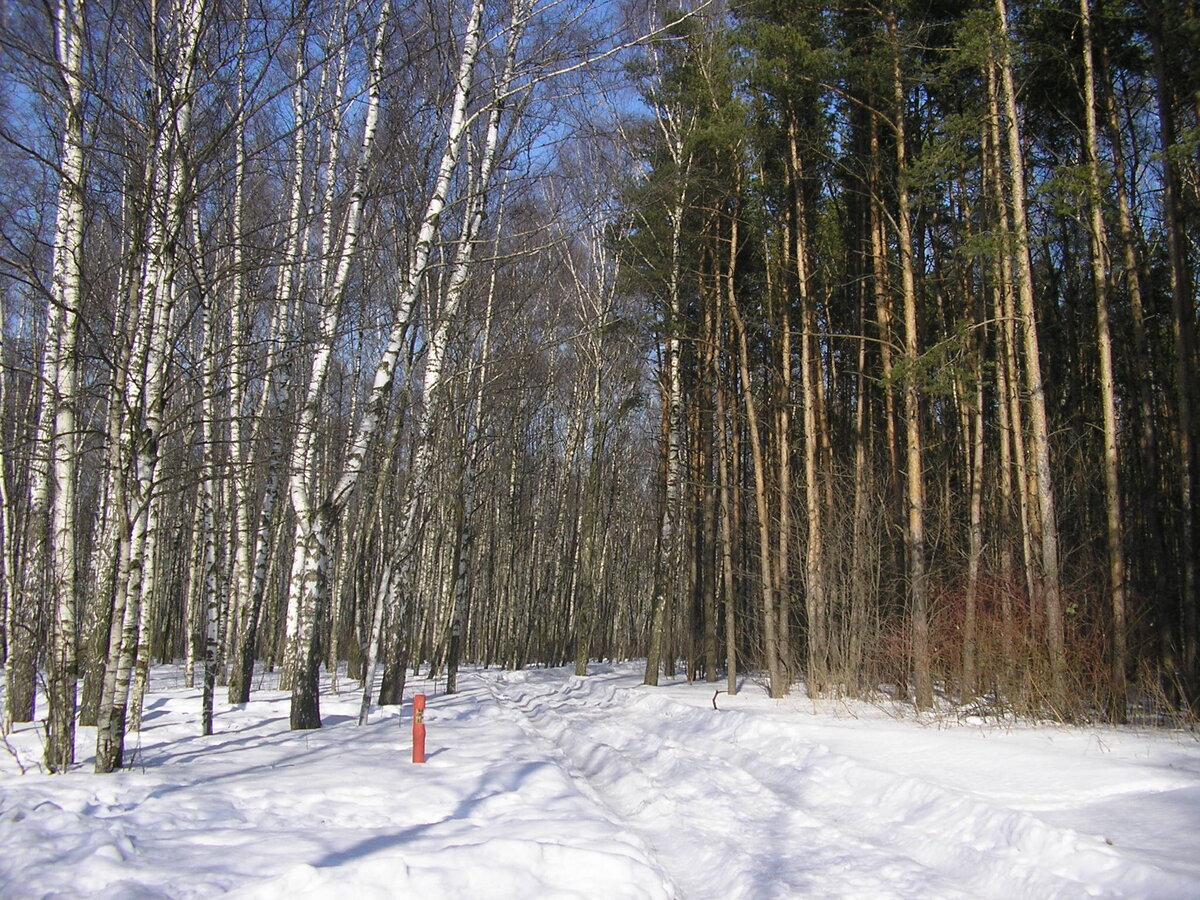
(849, 344)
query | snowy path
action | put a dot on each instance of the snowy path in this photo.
(783, 817)
(542, 785)
(722, 819)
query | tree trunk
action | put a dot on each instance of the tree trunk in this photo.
(317, 519)
(915, 475)
(724, 477)
(62, 332)
(770, 606)
(815, 592)
(1038, 419)
(1183, 318)
(666, 572)
(145, 388)
(1145, 363)
(1114, 522)
(382, 601)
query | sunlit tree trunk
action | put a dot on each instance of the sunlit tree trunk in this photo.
(240, 458)
(1038, 420)
(315, 516)
(210, 581)
(448, 317)
(976, 457)
(666, 572)
(31, 572)
(1014, 479)
(255, 517)
(727, 529)
(1148, 441)
(62, 332)
(305, 709)
(383, 601)
(145, 386)
(709, 487)
(769, 587)
(918, 583)
(9, 545)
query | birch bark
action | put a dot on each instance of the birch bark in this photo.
(256, 516)
(316, 519)
(666, 572)
(63, 329)
(316, 516)
(429, 418)
(145, 380)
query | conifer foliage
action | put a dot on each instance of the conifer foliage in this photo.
(910, 231)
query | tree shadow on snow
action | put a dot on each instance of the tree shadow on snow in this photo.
(490, 786)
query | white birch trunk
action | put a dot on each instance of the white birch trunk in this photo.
(383, 600)
(210, 592)
(240, 457)
(191, 603)
(332, 287)
(35, 573)
(62, 334)
(305, 707)
(8, 544)
(144, 389)
(255, 520)
(418, 265)
(314, 517)
(668, 563)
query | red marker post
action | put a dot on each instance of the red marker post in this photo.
(419, 728)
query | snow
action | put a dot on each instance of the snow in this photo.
(540, 784)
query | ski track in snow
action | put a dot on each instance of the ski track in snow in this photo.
(543, 785)
(801, 827)
(765, 843)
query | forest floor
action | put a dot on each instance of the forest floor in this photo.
(539, 784)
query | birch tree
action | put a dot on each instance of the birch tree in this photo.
(257, 511)
(316, 516)
(62, 335)
(427, 423)
(673, 125)
(312, 542)
(145, 368)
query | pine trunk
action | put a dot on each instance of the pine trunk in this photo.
(1039, 422)
(1114, 522)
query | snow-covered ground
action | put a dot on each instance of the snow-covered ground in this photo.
(542, 785)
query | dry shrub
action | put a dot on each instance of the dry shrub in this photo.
(888, 661)
(1012, 663)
